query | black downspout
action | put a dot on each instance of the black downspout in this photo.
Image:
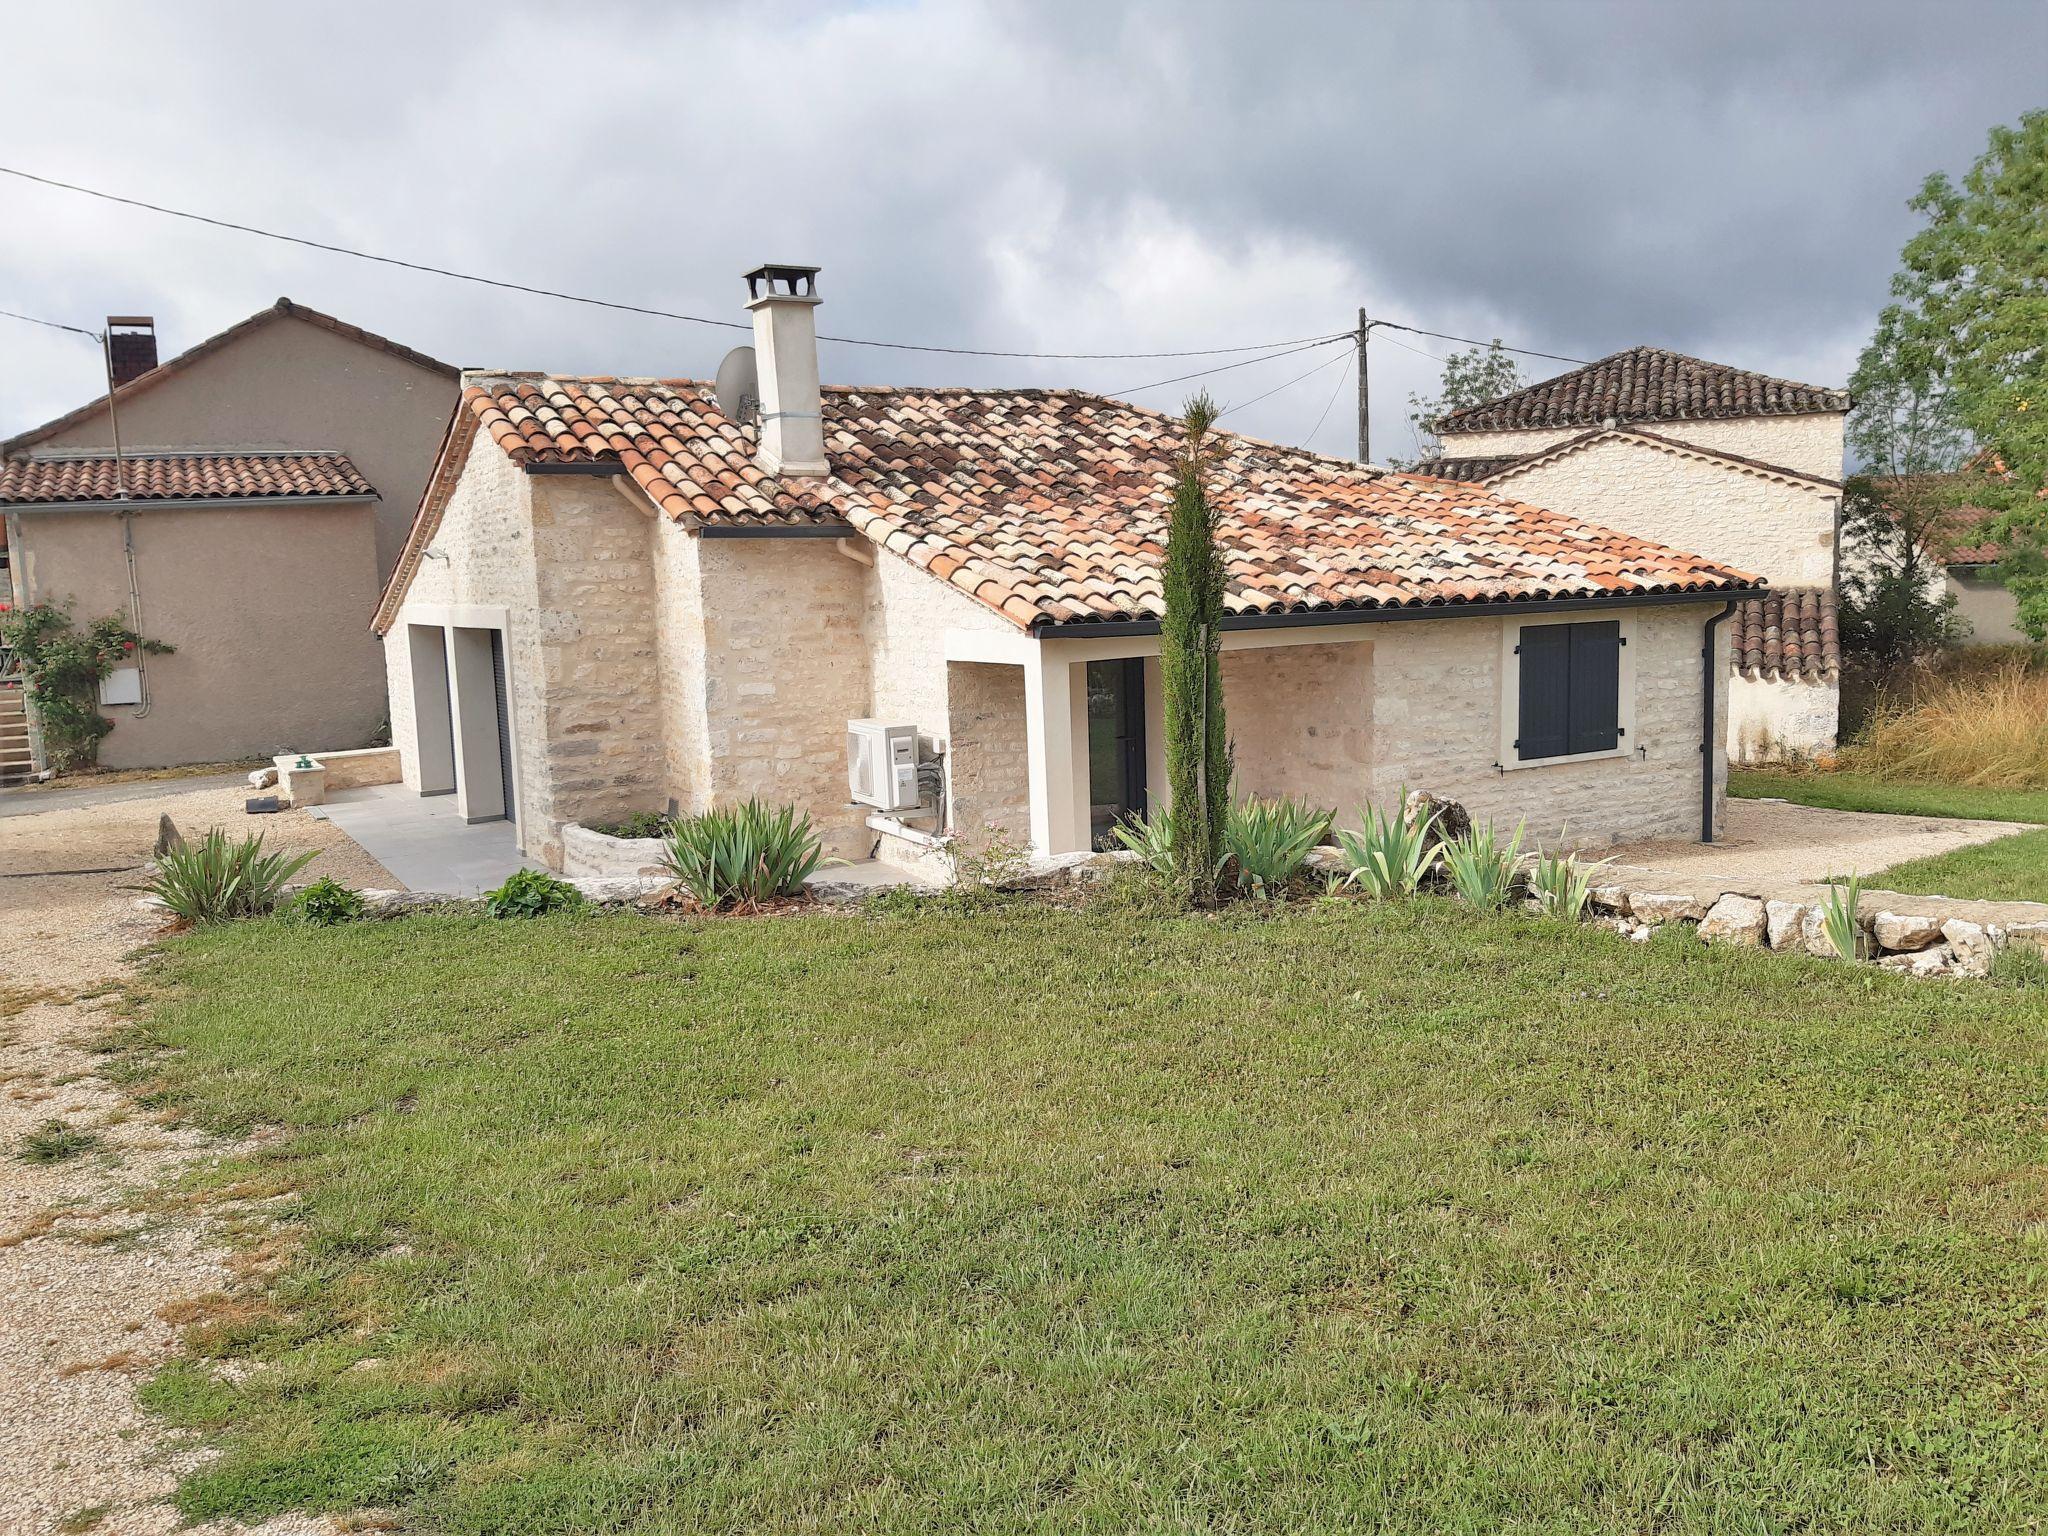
(1709, 680)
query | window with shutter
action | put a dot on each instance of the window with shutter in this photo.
(1570, 689)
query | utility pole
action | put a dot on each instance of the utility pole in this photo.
(1364, 396)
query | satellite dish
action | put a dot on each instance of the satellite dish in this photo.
(738, 387)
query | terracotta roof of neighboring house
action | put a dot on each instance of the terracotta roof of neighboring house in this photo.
(1486, 470)
(1791, 634)
(1645, 384)
(179, 477)
(1051, 506)
(282, 309)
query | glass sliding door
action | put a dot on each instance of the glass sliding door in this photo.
(1116, 745)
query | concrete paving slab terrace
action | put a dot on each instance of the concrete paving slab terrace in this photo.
(423, 841)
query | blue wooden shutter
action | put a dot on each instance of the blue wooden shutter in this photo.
(1595, 688)
(1543, 727)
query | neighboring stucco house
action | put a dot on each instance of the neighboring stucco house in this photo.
(617, 597)
(262, 492)
(1739, 466)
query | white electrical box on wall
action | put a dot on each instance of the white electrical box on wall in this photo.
(123, 685)
(881, 764)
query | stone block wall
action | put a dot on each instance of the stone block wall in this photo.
(1772, 719)
(1301, 722)
(1437, 726)
(988, 779)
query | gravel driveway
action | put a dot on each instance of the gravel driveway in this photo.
(89, 1258)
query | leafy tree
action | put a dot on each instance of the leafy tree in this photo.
(63, 670)
(1191, 678)
(1971, 307)
(1471, 377)
(1898, 513)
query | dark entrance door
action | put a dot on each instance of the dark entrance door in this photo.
(1116, 745)
(504, 722)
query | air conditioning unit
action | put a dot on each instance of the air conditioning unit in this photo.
(881, 764)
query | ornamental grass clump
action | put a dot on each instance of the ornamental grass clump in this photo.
(219, 879)
(1389, 856)
(1979, 729)
(743, 856)
(1482, 868)
(1838, 918)
(1267, 842)
(1562, 885)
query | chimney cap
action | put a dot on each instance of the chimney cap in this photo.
(132, 321)
(782, 280)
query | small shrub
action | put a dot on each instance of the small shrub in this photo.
(532, 893)
(1389, 856)
(219, 878)
(325, 903)
(996, 862)
(55, 1142)
(743, 856)
(1838, 918)
(1267, 842)
(1482, 868)
(641, 824)
(1562, 885)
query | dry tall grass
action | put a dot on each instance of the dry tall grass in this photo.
(1978, 727)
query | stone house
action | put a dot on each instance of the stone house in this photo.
(620, 596)
(243, 502)
(1739, 466)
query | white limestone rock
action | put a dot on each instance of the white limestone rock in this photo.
(1900, 933)
(1971, 944)
(1784, 922)
(617, 890)
(1924, 962)
(1734, 919)
(263, 778)
(1608, 898)
(1662, 907)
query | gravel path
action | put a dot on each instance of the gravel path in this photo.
(89, 1262)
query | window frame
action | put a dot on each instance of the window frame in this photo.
(1626, 743)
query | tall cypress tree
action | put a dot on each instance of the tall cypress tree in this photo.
(1190, 639)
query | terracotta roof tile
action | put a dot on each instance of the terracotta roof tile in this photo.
(1051, 505)
(179, 477)
(1645, 384)
(1790, 635)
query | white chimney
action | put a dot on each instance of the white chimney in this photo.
(786, 358)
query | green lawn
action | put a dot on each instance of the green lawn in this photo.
(2009, 869)
(1862, 792)
(1398, 1220)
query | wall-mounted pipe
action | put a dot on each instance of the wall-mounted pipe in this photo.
(1710, 677)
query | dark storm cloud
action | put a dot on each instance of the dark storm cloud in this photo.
(1728, 180)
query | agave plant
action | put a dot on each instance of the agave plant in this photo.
(219, 878)
(1389, 856)
(1838, 918)
(1269, 841)
(744, 855)
(1150, 838)
(1562, 885)
(1483, 868)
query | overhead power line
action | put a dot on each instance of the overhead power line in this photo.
(1468, 341)
(596, 303)
(1203, 373)
(1319, 367)
(55, 325)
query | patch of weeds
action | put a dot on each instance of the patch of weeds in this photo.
(324, 904)
(2014, 967)
(532, 893)
(85, 1519)
(1139, 891)
(641, 824)
(55, 1142)
(15, 1000)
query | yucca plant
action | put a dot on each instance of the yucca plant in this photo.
(743, 855)
(1483, 869)
(1562, 885)
(1267, 842)
(1389, 856)
(1838, 918)
(219, 878)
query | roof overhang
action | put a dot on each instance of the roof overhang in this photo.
(1079, 629)
(188, 503)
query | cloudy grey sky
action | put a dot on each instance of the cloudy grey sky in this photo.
(1078, 175)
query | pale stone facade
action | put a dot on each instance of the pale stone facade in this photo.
(1780, 526)
(647, 666)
